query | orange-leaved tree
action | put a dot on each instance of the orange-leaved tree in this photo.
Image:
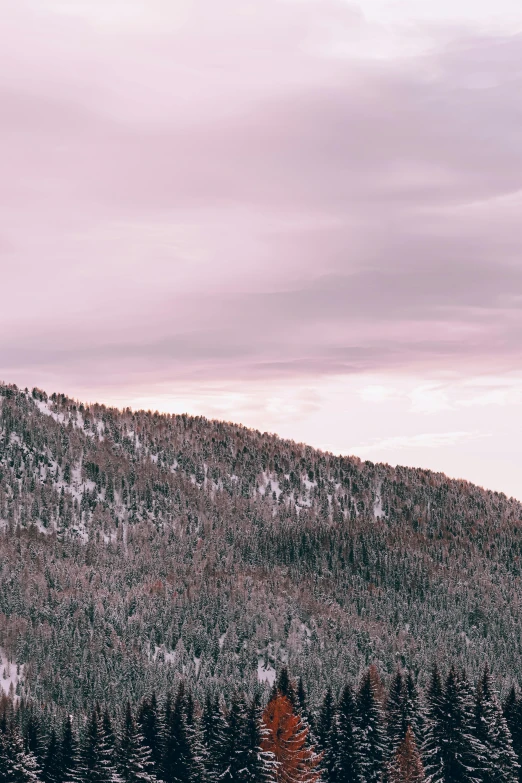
(407, 767)
(286, 737)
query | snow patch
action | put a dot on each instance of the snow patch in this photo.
(265, 674)
(378, 511)
(10, 674)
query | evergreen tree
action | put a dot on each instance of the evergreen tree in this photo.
(327, 737)
(512, 709)
(109, 737)
(304, 708)
(406, 766)
(285, 686)
(16, 764)
(395, 712)
(371, 729)
(213, 730)
(259, 764)
(325, 719)
(452, 752)
(69, 753)
(32, 736)
(97, 761)
(402, 709)
(235, 745)
(149, 724)
(344, 746)
(198, 771)
(413, 709)
(493, 732)
(134, 757)
(177, 759)
(52, 767)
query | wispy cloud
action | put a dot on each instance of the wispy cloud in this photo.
(427, 440)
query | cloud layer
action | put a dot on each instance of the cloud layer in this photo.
(246, 189)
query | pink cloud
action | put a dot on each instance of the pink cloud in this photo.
(205, 190)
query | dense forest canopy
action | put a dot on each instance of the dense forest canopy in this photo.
(139, 549)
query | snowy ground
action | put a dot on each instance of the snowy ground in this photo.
(9, 673)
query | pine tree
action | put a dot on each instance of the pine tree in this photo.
(327, 737)
(97, 762)
(402, 710)
(412, 709)
(197, 769)
(371, 729)
(260, 764)
(344, 746)
(304, 708)
(213, 729)
(285, 686)
(452, 752)
(324, 722)
(406, 766)
(69, 753)
(286, 739)
(432, 746)
(235, 746)
(32, 736)
(177, 759)
(51, 767)
(395, 712)
(16, 764)
(512, 709)
(149, 724)
(134, 757)
(492, 730)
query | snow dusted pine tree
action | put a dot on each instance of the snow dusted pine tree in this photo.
(492, 730)
(344, 743)
(69, 753)
(260, 764)
(434, 738)
(452, 752)
(513, 713)
(402, 709)
(134, 757)
(413, 709)
(325, 736)
(235, 746)
(304, 709)
(51, 767)
(149, 725)
(178, 758)
(97, 762)
(213, 730)
(396, 719)
(16, 764)
(371, 728)
(324, 722)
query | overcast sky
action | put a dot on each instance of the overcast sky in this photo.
(303, 215)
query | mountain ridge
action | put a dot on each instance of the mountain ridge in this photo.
(206, 549)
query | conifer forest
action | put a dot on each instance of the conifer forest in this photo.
(184, 599)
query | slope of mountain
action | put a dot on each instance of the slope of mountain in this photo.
(137, 547)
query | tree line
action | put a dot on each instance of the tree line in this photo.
(452, 732)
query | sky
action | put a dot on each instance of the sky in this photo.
(300, 215)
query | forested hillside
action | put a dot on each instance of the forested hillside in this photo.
(138, 549)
